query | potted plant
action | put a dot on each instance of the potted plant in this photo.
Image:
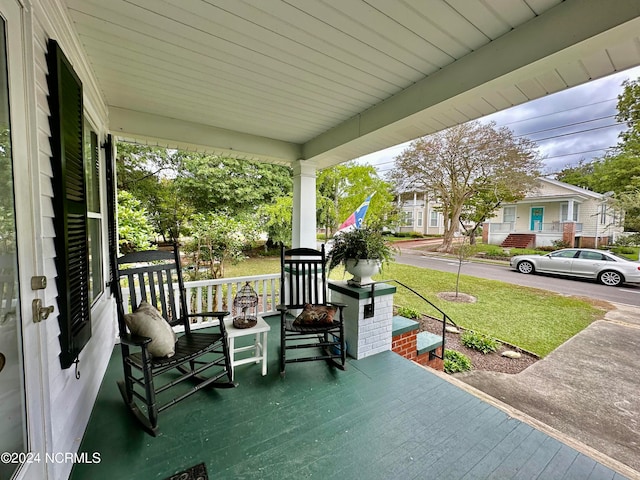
(362, 251)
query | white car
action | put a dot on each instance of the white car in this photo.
(606, 267)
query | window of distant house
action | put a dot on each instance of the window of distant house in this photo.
(407, 219)
(433, 219)
(94, 214)
(509, 214)
(564, 212)
(419, 218)
(603, 214)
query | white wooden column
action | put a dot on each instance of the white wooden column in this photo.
(570, 210)
(304, 204)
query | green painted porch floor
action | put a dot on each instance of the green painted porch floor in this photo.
(383, 418)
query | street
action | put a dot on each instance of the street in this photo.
(627, 294)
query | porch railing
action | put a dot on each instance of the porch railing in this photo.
(218, 294)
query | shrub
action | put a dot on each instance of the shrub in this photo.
(408, 312)
(479, 342)
(560, 244)
(629, 240)
(455, 362)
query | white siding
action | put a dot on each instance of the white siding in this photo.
(71, 399)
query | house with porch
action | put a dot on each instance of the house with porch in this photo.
(306, 84)
(419, 214)
(555, 212)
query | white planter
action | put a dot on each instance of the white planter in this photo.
(362, 270)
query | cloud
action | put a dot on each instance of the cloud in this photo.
(568, 126)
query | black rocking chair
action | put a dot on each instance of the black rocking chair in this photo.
(303, 311)
(203, 358)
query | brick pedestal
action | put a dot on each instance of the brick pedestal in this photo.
(365, 336)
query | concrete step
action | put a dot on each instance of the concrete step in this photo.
(428, 342)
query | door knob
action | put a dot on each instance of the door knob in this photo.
(39, 312)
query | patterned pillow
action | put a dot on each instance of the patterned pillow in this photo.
(315, 315)
(146, 321)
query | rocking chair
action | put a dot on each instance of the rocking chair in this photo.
(155, 359)
(309, 324)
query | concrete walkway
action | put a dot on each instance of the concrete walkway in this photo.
(588, 389)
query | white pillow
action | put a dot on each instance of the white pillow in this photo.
(146, 321)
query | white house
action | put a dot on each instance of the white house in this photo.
(420, 214)
(555, 211)
(305, 84)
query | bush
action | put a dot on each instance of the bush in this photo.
(408, 312)
(455, 362)
(558, 244)
(628, 240)
(479, 342)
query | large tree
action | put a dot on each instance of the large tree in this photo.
(472, 167)
(237, 186)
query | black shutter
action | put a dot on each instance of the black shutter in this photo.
(69, 202)
(110, 168)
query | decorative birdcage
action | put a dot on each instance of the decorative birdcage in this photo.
(245, 307)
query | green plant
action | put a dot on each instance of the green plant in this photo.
(560, 244)
(455, 362)
(479, 342)
(360, 244)
(408, 312)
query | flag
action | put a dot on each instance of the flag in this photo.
(356, 218)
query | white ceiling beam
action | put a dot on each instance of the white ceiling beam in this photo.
(563, 27)
(174, 133)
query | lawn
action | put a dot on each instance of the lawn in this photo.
(535, 320)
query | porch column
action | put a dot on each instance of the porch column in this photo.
(304, 204)
(570, 210)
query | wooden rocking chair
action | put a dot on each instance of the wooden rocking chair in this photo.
(155, 295)
(309, 324)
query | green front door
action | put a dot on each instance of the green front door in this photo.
(537, 213)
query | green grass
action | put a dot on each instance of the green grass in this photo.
(532, 319)
(253, 266)
(536, 320)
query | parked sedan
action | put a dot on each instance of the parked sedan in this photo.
(606, 267)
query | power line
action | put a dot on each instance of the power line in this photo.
(557, 112)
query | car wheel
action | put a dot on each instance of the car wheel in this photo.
(610, 278)
(525, 267)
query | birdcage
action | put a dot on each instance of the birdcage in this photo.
(245, 307)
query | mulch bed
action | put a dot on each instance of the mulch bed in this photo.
(493, 362)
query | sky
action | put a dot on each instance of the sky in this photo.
(568, 126)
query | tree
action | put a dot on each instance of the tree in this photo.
(134, 230)
(219, 238)
(341, 189)
(276, 219)
(235, 186)
(149, 173)
(464, 162)
(580, 175)
(629, 112)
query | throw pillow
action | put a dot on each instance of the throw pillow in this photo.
(146, 321)
(315, 315)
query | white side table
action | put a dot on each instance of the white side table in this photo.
(259, 346)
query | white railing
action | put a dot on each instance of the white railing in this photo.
(218, 294)
(501, 227)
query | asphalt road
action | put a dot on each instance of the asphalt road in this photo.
(627, 294)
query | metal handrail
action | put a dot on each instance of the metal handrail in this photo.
(445, 318)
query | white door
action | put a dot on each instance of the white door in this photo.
(21, 393)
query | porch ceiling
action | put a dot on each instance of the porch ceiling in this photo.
(330, 80)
